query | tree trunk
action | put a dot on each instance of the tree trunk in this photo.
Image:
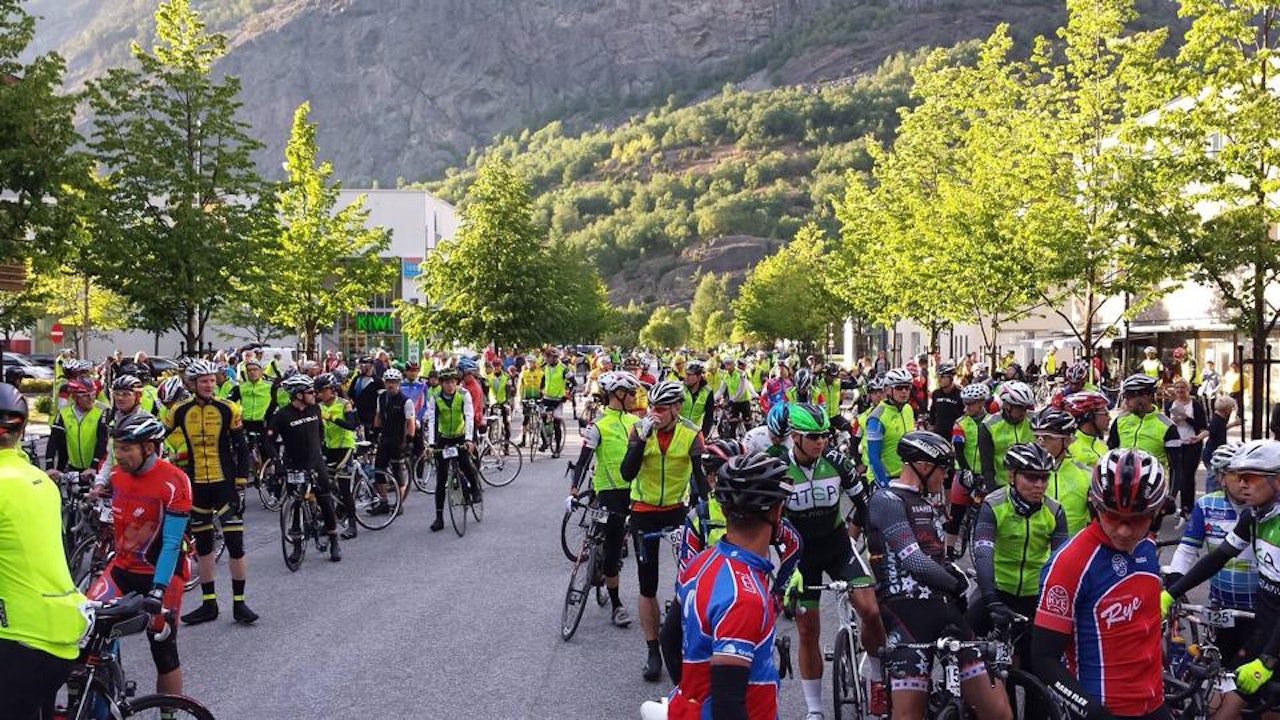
(1260, 368)
(994, 346)
(1088, 329)
(84, 321)
(190, 334)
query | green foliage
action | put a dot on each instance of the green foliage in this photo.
(786, 296)
(39, 167)
(42, 390)
(667, 328)
(182, 213)
(326, 262)
(625, 324)
(20, 310)
(718, 328)
(711, 296)
(64, 293)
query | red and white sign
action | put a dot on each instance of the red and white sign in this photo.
(55, 333)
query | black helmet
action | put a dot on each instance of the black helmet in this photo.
(1028, 457)
(325, 380)
(13, 409)
(924, 446)
(719, 452)
(752, 484)
(1053, 421)
(139, 427)
(946, 367)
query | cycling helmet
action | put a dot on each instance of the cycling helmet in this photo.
(13, 409)
(447, 374)
(631, 361)
(1016, 392)
(74, 366)
(1128, 481)
(667, 392)
(1077, 373)
(392, 375)
(127, 382)
(1149, 350)
(139, 427)
(875, 385)
(695, 366)
(809, 418)
(199, 367)
(895, 378)
(612, 381)
(172, 390)
(412, 365)
(1052, 421)
(1138, 383)
(946, 367)
(1084, 405)
(975, 392)
(924, 446)
(342, 372)
(1257, 456)
(1028, 457)
(752, 484)
(831, 369)
(465, 365)
(719, 452)
(252, 362)
(804, 380)
(1222, 457)
(324, 381)
(81, 386)
(297, 384)
(779, 420)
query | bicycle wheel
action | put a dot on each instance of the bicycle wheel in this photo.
(191, 560)
(266, 481)
(1029, 698)
(365, 493)
(575, 598)
(535, 437)
(456, 499)
(315, 528)
(475, 501)
(950, 711)
(81, 561)
(597, 577)
(499, 467)
(290, 539)
(424, 474)
(572, 532)
(847, 687)
(165, 706)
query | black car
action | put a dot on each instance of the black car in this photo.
(18, 367)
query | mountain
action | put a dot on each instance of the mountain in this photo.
(404, 88)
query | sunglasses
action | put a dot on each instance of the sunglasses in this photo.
(1036, 478)
(816, 436)
(901, 387)
(1253, 477)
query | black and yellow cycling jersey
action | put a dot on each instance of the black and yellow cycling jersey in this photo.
(214, 434)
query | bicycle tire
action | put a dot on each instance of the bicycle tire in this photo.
(950, 711)
(534, 436)
(456, 501)
(167, 704)
(365, 494)
(848, 691)
(572, 532)
(602, 593)
(475, 501)
(396, 490)
(315, 528)
(288, 507)
(81, 562)
(1030, 699)
(500, 468)
(270, 502)
(575, 597)
(424, 474)
(192, 560)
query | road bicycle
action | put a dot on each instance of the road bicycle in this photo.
(847, 657)
(498, 459)
(370, 488)
(532, 431)
(460, 497)
(729, 425)
(97, 686)
(300, 519)
(588, 569)
(1194, 675)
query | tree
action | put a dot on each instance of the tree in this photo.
(20, 310)
(493, 282)
(1220, 144)
(39, 168)
(325, 262)
(83, 307)
(667, 328)
(786, 297)
(247, 321)
(718, 329)
(182, 213)
(625, 324)
(711, 295)
(583, 312)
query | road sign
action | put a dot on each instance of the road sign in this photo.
(55, 333)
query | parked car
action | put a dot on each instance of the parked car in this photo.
(43, 359)
(162, 365)
(18, 367)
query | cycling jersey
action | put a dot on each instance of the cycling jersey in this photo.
(995, 435)
(945, 409)
(530, 382)
(1212, 518)
(1010, 547)
(149, 514)
(758, 439)
(705, 527)
(607, 436)
(39, 603)
(814, 505)
(394, 413)
(1152, 432)
(1069, 485)
(886, 424)
(554, 378)
(906, 552)
(302, 433)
(1108, 603)
(214, 437)
(1152, 367)
(1087, 449)
(727, 611)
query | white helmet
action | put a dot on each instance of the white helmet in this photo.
(1016, 392)
(974, 392)
(668, 392)
(199, 367)
(896, 377)
(1257, 456)
(392, 375)
(611, 381)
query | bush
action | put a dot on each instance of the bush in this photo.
(33, 386)
(44, 404)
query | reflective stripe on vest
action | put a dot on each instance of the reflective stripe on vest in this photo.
(1022, 544)
(81, 435)
(613, 426)
(663, 479)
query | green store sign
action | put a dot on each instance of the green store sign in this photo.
(375, 322)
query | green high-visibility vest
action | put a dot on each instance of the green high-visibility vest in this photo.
(831, 396)
(897, 421)
(498, 387)
(336, 436)
(1003, 435)
(1087, 449)
(614, 427)
(451, 422)
(1022, 543)
(969, 426)
(663, 479)
(553, 380)
(694, 408)
(255, 397)
(1145, 432)
(81, 435)
(1069, 485)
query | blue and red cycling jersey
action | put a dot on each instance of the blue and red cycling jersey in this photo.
(1108, 602)
(724, 595)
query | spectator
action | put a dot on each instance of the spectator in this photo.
(1209, 381)
(1219, 422)
(881, 365)
(1193, 427)
(1233, 384)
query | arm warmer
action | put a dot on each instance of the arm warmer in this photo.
(1047, 648)
(581, 466)
(631, 461)
(889, 513)
(171, 531)
(698, 487)
(987, 456)
(875, 441)
(984, 550)
(729, 691)
(100, 447)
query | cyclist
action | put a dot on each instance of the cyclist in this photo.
(218, 467)
(171, 392)
(300, 427)
(697, 396)
(43, 622)
(729, 670)
(659, 465)
(451, 423)
(1090, 409)
(964, 436)
(414, 387)
(830, 387)
(1076, 380)
(150, 504)
(736, 392)
(1141, 426)
(500, 390)
(395, 420)
(555, 390)
(1100, 600)
(946, 405)
(1018, 526)
(803, 391)
(78, 434)
(998, 432)
(340, 424)
(1151, 365)
(364, 391)
(921, 595)
(820, 477)
(1069, 479)
(887, 423)
(777, 389)
(774, 436)
(873, 397)
(470, 381)
(606, 441)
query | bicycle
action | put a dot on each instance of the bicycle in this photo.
(498, 461)
(531, 432)
(95, 544)
(460, 497)
(97, 686)
(588, 571)
(574, 524)
(848, 657)
(267, 480)
(1194, 672)
(370, 487)
(300, 519)
(729, 425)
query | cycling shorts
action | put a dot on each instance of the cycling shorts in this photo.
(550, 405)
(834, 556)
(913, 620)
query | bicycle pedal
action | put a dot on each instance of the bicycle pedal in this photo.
(130, 688)
(828, 653)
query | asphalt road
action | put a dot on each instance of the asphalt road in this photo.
(415, 624)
